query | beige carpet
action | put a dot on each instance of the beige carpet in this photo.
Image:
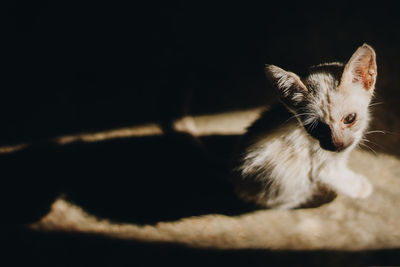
(344, 224)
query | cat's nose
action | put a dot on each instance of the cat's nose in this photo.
(339, 145)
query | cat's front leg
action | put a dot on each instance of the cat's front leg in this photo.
(359, 185)
(347, 182)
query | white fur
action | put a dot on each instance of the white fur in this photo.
(295, 163)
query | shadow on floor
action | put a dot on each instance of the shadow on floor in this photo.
(141, 180)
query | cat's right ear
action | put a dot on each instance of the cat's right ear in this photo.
(361, 69)
(290, 88)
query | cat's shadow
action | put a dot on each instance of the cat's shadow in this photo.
(141, 180)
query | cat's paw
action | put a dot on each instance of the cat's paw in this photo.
(363, 189)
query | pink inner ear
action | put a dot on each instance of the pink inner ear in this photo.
(365, 71)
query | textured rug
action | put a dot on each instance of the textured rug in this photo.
(344, 224)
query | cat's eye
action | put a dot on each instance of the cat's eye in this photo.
(350, 118)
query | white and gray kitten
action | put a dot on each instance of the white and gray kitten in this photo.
(299, 149)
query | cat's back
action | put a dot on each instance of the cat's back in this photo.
(270, 118)
(273, 121)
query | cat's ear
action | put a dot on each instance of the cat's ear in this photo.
(291, 89)
(361, 69)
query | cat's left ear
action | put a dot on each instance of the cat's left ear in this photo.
(361, 69)
(291, 89)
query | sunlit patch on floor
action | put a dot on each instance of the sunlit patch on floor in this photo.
(344, 224)
(13, 148)
(225, 123)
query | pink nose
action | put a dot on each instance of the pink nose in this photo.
(339, 145)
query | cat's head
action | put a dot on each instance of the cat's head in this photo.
(332, 101)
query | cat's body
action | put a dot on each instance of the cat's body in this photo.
(300, 148)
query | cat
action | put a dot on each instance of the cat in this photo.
(299, 149)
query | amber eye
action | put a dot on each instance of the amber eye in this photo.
(350, 118)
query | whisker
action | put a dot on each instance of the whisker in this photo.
(376, 131)
(313, 125)
(361, 144)
(382, 131)
(374, 104)
(366, 140)
(299, 115)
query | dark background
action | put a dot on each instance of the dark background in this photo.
(85, 65)
(75, 66)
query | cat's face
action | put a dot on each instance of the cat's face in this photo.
(335, 114)
(332, 101)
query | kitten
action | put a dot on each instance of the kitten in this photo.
(299, 149)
